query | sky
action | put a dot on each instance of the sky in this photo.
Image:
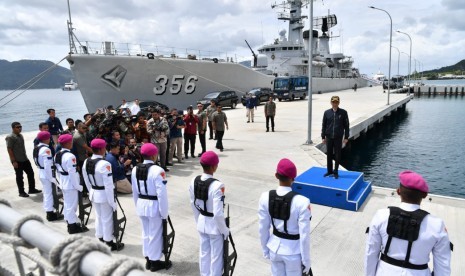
(36, 29)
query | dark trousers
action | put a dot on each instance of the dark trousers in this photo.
(27, 168)
(219, 139)
(81, 178)
(333, 151)
(189, 139)
(210, 128)
(202, 139)
(268, 118)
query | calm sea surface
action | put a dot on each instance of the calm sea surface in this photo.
(428, 137)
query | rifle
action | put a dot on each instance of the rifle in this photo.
(119, 225)
(58, 203)
(84, 211)
(168, 239)
(229, 260)
(310, 273)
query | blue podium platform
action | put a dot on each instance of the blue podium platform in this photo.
(348, 192)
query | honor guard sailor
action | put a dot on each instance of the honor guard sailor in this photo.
(151, 199)
(44, 161)
(288, 215)
(207, 199)
(99, 181)
(401, 239)
(66, 163)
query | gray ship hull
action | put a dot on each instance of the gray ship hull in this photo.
(175, 82)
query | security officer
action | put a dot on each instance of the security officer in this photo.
(335, 127)
(66, 163)
(44, 161)
(151, 199)
(288, 214)
(400, 240)
(99, 181)
(207, 200)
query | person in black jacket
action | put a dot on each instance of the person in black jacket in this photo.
(335, 128)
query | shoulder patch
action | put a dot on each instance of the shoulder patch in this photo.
(48, 152)
(108, 168)
(309, 207)
(163, 175)
(222, 190)
(73, 160)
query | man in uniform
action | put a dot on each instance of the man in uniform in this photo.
(151, 199)
(288, 214)
(207, 200)
(202, 127)
(158, 129)
(219, 122)
(44, 162)
(400, 240)
(335, 127)
(66, 163)
(18, 158)
(270, 112)
(99, 181)
(211, 109)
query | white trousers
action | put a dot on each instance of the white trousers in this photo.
(103, 221)
(70, 198)
(286, 265)
(48, 196)
(250, 114)
(211, 255)
(152, 239)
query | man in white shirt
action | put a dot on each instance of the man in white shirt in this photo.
(135, 108)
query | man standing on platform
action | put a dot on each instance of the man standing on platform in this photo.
(335, 128)
(18, 158)
(289, 214)
(202, 127)
(207, 200)
(44, 161)
(151, 198)
(401, 239)
(54, 125)
(98, 178)
(190, 132)
(270, 112)
(66, 164)
(219, 122)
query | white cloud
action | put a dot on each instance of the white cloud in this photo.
(36, 29)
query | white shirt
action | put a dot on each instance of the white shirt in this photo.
(103, 177)
(432, 238)
(298, 223)
(45, 159)
(156, 186)
(210, 225)
(68, 164)
(135, 108)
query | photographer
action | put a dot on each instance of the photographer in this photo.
(140, 128)
(176, 124)
(119, 176)
(158, 129)
(190, 132)
(131, 152)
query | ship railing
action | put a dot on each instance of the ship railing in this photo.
(128, 49)
(52, 253)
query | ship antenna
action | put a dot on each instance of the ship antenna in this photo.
(72, 46)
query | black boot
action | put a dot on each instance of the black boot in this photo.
(157, 265)
(147, 263)
(52, 216)
(75, 228)
(115, 246)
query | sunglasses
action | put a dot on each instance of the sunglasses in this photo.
(18, 126)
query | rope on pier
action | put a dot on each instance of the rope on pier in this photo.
(120, 267)
(6, 202)
(17, 227)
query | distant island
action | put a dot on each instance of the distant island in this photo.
(456, 71)
(16, 73)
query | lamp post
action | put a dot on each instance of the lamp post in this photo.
(410, 59)
(310, 59)
(398, 58)
(408, 93)
(390, 46)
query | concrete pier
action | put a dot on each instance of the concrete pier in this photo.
(433, 90)
(247, 168)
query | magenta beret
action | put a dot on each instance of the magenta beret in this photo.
(209, 158)
(413, 180)
(98, 143)
(149, 149)
(65, 138)
(287, 168)
(43, 135)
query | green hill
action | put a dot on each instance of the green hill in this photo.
(456, 69)
(16, 73)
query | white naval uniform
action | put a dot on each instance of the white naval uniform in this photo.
(287, 256)
(45, 159)
(102, 200)
(151, 212)
(212, 230)
(432, 238)
(70, 185)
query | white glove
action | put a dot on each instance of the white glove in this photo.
(226, 234)
(80, 188)
(306, 268)
(266, 254)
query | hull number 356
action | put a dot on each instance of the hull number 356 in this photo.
(175, 84)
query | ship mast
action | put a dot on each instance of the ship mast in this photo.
(294, 16)
(72, 46)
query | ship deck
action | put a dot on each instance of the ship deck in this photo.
(247, 168)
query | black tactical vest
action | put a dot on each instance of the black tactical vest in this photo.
(201, 192)
(59, 160)
(90, 169)
(279, 207)
(142, 172)
(35, 155)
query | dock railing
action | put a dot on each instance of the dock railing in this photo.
(57, 254)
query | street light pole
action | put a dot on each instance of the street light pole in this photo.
(410, 59)
(310, 59)
(390, 49)
(398, 58)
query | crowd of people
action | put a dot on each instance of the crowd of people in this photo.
(113, 151)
